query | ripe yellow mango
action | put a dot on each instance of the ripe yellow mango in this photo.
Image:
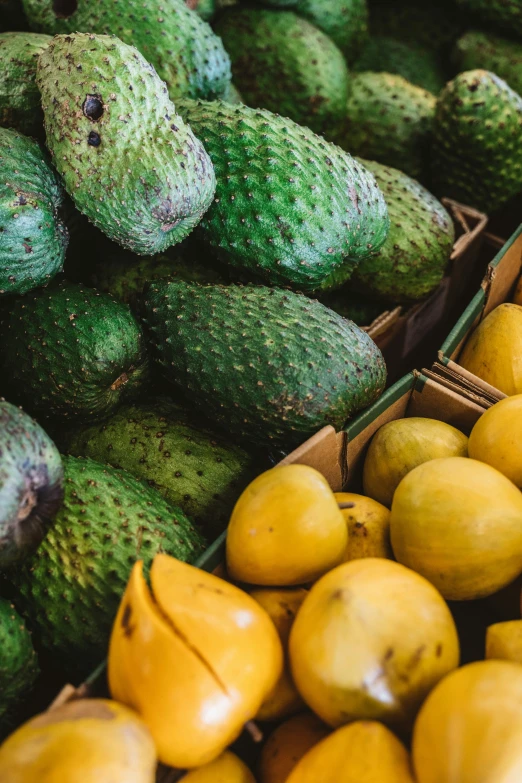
(286, 529)
(496, 438)
(287, 745)
(504, 641)
(282, 607)
(92, 740)
(401, 445)
(469, 730)
(370, 641)
(363, 752)
(494, 349)
(195, 657)
(458, 522)
(227, 768)
(368, 524)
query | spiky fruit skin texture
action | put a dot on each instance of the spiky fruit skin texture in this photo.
(159, 442)
(71, 588)
(20, 106)
(503, 15)
(289, 207)
(432, 25)
(283, 63)
(70, 352)
(31, 484)
(128, 161)
(415, 64)
(389, 120)
(33, 238)
(172, 37)
(268, 365)
(477, 150)
(501, 56)
(18, 662)
(344, 21)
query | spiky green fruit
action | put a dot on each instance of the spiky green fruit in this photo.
(435, 24)
(71, 352)
(20, 105)
(18, 662)
(33, 238)
(172, 37)
(289, 207)
(71, 588)
(232, 95)
(501, 56)
(283, 63)
(344, 21)
(31, 484)
(504, 15)
(416, 64)
(268, 365)
(477, 154)
(128, 161)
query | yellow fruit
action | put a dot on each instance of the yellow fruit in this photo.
(227, 768)
(504, 641)
(469, 730)
(494, 350)
(517, 298)
(496, 438)
(368, 524)
(370, 641)
(89, 740)
(400, 446)
(286, 529)
(458, 522)
(282, 606)
(288, 744)
(363, 752)
(195, 658)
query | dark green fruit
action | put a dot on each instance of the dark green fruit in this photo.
(434, 24)
(416, 64)
(18, 662)
(501, 56)
(345, 21)
(20, 105)
(204, 8)
(504, 15)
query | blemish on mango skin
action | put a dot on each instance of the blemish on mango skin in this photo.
(128, 629)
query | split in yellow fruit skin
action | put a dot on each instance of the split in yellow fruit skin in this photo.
(458, 522)
(494, 349)
(227, 768)
(281, 605)
(517, 298)
(504, 641)
(370, 641)
(287, 745)
(92, 740)
(368, 524)
(469, 729)
(496, 438)
(196, 661)
(286, 529)
(363, 752)
(399, 446)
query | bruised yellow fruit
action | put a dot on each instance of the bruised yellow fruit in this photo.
(287, 745)
(282, 606)
(469, 730)
(227, 768)
(494, 350)
(496, 438)
(370, 641)
(92, 740)
(195, 657)
(286, 529)
(458, 522)
(401, 445)
(368, 524)
(517, 297)
(504, 641)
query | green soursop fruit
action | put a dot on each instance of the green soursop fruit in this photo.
(432, 24)
(501, 56)
(204, 8)
(360, 309)
(31, 479)
(173, 38)
(344, 21)
(504, 15)
(71, 587)
(192, 467)
(70, 352)
(18, 663)
(414, 63)
(20, 105)
(289, 207)
(477, 151)
(128, 161)
(389, 120)
(283, 63)
(268, 365)
(232, 95)
(33, 238)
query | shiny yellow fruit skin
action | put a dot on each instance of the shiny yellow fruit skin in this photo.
(494, 349)
(363, 752)
(517, 298)
(496, 438)
(287, 745)
(286, 529)
(227, 768)
(282, 607)
(399, 446)
(89, 740)
(368, 524)
(196, 661)
(504, 641)
(469, 730)
(370, 641)
(458, 522)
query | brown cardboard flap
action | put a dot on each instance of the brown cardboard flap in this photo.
(472, 382)
(501, 279)
(383, 323)
(436, 401)
(324, 452)
(471, 221)
(451, 378)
